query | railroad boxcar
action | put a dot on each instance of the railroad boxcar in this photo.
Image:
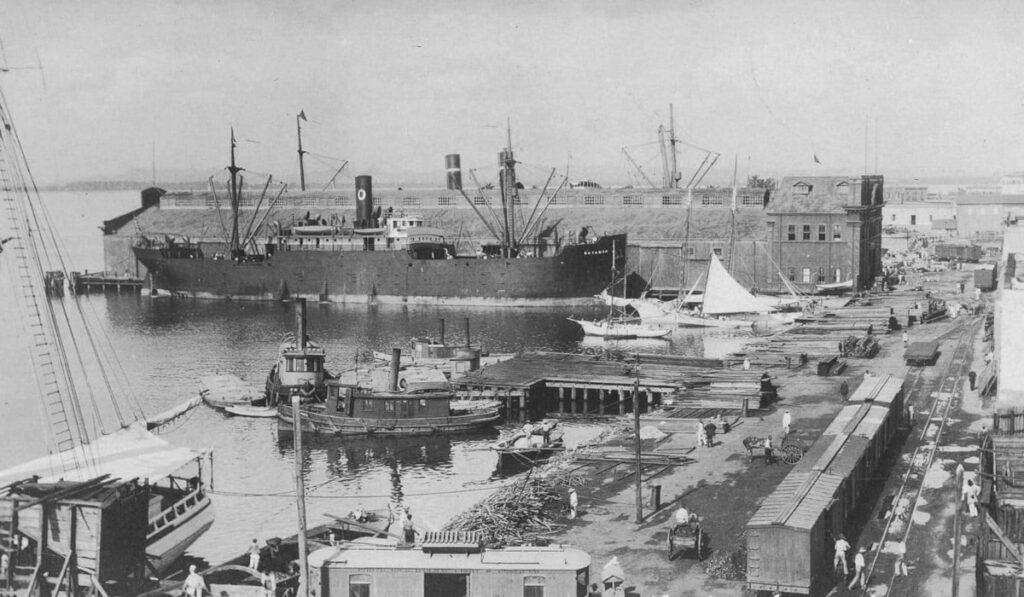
(985, 277)
(947, 252)
(790, 538)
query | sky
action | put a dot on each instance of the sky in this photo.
(394, 86)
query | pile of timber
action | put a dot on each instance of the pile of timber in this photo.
(864, 347)
(514, 514)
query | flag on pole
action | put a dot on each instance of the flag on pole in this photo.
(816, 160)
(302, 115)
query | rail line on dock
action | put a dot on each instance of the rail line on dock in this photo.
(921, 460)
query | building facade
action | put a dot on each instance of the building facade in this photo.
(984, 217)
(827, 229)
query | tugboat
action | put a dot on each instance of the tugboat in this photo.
(300, 366)
(415, 401)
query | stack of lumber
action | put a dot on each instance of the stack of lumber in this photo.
(514, 514)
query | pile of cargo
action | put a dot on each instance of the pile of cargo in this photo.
(863, 347)
(515, 514)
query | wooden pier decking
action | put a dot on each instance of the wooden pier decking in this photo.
(86, 282)
(548, 383)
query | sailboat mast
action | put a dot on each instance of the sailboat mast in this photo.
(732, 228)
(509, 194)
(302, 170)
(234, 170)
(674, 182)
(665, 181)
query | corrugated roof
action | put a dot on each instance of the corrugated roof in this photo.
(882, 389)
(813, 494)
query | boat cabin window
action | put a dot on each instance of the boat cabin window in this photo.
(304, 364)
(533, 586)
(389, 406)
(359, 585)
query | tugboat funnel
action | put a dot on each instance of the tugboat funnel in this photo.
(396, 359)
(300, 323)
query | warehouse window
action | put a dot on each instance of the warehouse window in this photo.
(807, 275)
(822, 230)
(791, 232)
(807, 232)
(717, 251)
(913, 220)
(691, 252)
(792, 274)
(837, 232)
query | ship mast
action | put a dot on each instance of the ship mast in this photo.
(509, 196)
(298, 127)
(674, 182)
(234, 170)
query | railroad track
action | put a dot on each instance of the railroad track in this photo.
(905, 501)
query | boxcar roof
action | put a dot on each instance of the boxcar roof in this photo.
(882, 390)
(410, 558)
(798, 501)
(853, 420)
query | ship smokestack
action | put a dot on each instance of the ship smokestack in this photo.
(300, 323)
(364, 201)
(396, 359)
(467, 333)
(442, 331)
(453, 165)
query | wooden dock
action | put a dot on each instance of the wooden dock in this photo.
(547, 383)
(86, 282)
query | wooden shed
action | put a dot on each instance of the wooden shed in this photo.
(448, 564)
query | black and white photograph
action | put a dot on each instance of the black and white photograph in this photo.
(697, 298)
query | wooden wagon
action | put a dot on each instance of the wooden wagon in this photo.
(790, 450)
(687, 538)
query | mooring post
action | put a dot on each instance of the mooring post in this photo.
(300, 497)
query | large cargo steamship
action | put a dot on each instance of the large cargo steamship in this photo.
(390, 258)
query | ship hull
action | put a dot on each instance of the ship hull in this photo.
(571, 277)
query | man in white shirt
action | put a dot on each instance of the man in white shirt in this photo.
(842, 546)
(858, 570)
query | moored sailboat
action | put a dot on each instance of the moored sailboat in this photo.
(111, 503)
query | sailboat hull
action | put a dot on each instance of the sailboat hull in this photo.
(611, 329)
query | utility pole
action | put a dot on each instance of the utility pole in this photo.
(636, 431)
(300, 497)
(956, 531)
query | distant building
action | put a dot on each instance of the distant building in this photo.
(827, 229)
(1012, 184)
(917, 216)
(984, 217)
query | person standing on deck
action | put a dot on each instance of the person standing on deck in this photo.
(787, 421)
(702, 438)
(269, 583)
(408, 530)
(254, 555)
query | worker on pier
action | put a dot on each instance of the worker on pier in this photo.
(408, 529)
(254, 555)
(858, 569)
(574, 502)
(194, 585)
(769, 457)
(787, 421)
(841, 547)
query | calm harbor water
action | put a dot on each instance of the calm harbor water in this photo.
(166, 346)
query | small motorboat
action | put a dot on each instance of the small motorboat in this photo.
(221, 391)
(246, 410)
(528, 447)
(620, 329)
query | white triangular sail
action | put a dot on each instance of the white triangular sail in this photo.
(723, 294)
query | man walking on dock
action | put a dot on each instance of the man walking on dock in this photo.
(787, 420)
(841, 547)
(768, 457)
(858, 570)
